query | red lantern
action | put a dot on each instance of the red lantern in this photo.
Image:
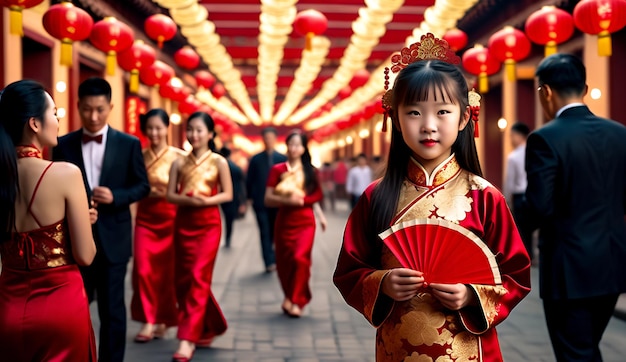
(111, 36)
(174, 90)
(204, 79)
(160, 27)
(359, 78)
(509, 45)
(344, 92)
(16, 7)
(158, 73)
(218, 90)
(456, 38)
(479, 61)
(549, 26)
(67, 23)
(189, 105)
(187, 58)
(310, 23)
(601, 18)
(134, 59)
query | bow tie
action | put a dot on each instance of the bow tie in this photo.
(87, 138)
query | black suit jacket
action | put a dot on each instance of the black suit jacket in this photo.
(258, 172)
(576, 169)
(124, 172)
(239, 189)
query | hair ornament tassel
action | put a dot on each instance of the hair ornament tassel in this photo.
(386, 101)
(474, 104)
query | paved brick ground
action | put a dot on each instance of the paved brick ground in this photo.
(329, 329)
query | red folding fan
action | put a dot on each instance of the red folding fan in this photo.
(445, 252)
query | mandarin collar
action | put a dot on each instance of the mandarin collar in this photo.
(442, 173)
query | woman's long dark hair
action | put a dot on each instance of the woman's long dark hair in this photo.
(19, 102)
(155, 112)
(310, 180)
(414, 84)
(210, 125)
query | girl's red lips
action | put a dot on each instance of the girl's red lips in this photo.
(428, 142)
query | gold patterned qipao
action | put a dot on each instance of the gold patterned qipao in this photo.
(46, 247)
(158, 166)
(291, 182)
(199, 176)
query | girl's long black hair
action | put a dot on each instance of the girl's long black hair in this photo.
(210, 125)
(155, 112)
(310, 179)
(19, 102)
(413, 84)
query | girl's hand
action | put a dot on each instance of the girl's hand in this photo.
(453, 296)
(296, 199)
(323, 222)
(402, 284)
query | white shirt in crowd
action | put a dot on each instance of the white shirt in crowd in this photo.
(515, 182)
(93, 155)
(358, 180)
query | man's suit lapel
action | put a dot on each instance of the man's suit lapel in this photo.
(109, 156)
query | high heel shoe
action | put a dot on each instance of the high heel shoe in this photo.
(159, 331)
(286, 306)
(294, 311)
(179, 357)
(143, 338)
(204, 343)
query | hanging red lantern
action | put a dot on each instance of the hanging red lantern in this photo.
(111, 36)
(601, 18)
(174, 90)
(479, 61)
(134, 59)
(218, 90)
(188, 105)
(344, 92)
(187, 58)
(160, 28)
(158, 73)
(359, 78)
(204, 79)
(549, 26)
(456, 38)
(509, 45)
(67, 23)
(310, 23)
(16, 7)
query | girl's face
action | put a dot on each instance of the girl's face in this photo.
(431, 127)
(198, 134)
(156, 131)
(295, 148)
(50, 128)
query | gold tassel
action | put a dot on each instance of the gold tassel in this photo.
(134, 81)
(509, 66)
(483, 83)
(550, 48)
(604, 44)
(16, 20)
(111, 63)
(308, 44)
(66, 52)
(160, 40)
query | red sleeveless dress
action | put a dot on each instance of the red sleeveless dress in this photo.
(44, 313)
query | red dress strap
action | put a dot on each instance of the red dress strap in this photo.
(32, 198)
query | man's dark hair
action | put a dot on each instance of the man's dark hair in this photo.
(94, 87)
(520, 128)
(225, 151)
(564, 73)
(267, 130)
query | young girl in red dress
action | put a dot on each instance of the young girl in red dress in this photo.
(433, 175)
(198, 183)
(45, 233)
(294, 188)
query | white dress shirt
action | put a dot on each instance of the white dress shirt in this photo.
(358, 180)
(515, 182)
(93, 155)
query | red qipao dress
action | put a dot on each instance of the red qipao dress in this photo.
(421, 329)
(154, 296)
(294, 233)
(44, 313)
(197, 235)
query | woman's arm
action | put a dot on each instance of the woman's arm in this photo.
(274, 200)
(319, 214)
(172, 188)
(226, 184)
(77, 214)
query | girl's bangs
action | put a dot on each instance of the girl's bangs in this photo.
(420, 85)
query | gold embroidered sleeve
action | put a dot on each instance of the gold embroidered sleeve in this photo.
(479, 319)
(377, 306)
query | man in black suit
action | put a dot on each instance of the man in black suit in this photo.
(576, 169)
(236, 207)
(115, 176)
(258, 172)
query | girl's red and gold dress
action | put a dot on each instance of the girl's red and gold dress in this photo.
(421, 329)
(198, 231)
(294, 233)
(154, 296)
